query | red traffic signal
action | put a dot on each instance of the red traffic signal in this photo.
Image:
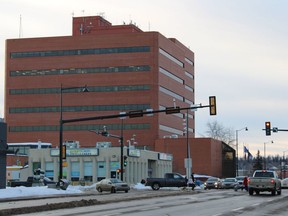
(268, 128)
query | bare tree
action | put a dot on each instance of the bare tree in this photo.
(219, 132)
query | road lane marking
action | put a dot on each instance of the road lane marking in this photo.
(238, 209)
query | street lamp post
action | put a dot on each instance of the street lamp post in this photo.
(84, 89)
(237, 162)
(283, 165)
(264, 161)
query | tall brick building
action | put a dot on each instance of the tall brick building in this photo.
(124, 68)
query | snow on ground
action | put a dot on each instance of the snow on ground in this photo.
(11, 192)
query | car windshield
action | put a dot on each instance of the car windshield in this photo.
(240, 178)
(116, 181)
(212, 179)
(229, 180)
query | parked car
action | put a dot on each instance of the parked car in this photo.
(212, 183)
(240, 180)
(284, 183)
(229, 183)
(113, 185)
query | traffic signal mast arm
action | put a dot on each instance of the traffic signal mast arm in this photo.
(140, 113)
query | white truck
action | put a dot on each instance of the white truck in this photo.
(264, 180)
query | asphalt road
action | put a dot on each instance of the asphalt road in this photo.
(163, 202)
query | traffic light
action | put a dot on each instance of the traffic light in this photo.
(64, 152)
(268, 128)
(104, 133)
(212, 105)
(125, 160)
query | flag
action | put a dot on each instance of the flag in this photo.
(250, 155)
(245, 150)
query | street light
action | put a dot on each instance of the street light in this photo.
(246, 129)
(283, 164)
(84, 89)
(264, 161)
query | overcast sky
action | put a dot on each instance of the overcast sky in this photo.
(240, 46)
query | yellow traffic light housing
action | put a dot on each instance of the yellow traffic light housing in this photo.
(212, 105)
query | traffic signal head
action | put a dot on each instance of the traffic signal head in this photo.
(212, 105)
(268, 128)
(125, 160)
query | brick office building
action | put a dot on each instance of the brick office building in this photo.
(124, 68)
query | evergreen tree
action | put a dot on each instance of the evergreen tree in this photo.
(258, 162)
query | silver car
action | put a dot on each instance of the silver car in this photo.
(230, 183)
(113, 185)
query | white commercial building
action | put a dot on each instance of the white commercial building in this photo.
(94, 164)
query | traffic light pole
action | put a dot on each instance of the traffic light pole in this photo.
(140, 113)
(105, 133)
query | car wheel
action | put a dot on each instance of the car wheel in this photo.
(99, 189)
(273, 192)
(113, 190)
(279, 192)
(126, 191)
(251, 192)
(155, 186)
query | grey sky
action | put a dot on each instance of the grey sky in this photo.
(240, 51)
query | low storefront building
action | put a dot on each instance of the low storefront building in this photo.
(93, 164)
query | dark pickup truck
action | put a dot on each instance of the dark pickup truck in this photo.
(27, 183)
(169, 180)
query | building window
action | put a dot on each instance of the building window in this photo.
(95, 51)
(170, 93)
(78, 127)
(88, 176)
(123, 107)
(75, 171)
(189, 61)
(116, 69)
(172, 58)
(171, 75)
(91, 89)
(49, 170)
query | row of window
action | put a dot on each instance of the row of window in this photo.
(39, 128)
(172, 58)
(95, 51)
(121, 107)
(75, 90)
(70, 71)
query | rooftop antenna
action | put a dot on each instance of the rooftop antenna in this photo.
(20, 27)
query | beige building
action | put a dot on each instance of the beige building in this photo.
(94, 164)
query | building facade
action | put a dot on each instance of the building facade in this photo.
(93, 164)
(209, 157)
(124, 68)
